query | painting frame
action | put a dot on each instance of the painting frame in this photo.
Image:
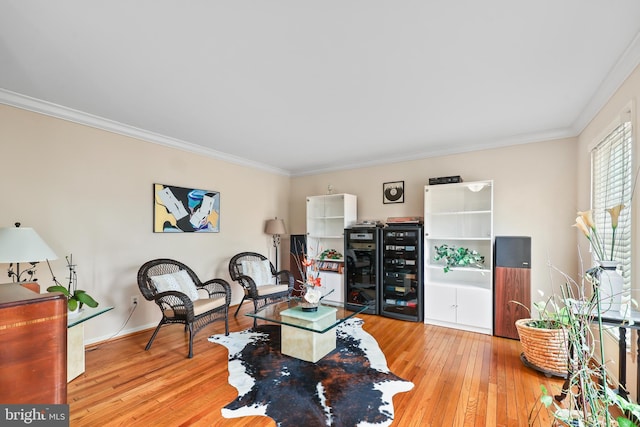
(185, 210)
(393, 192)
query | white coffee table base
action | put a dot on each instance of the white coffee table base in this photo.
(308, 345)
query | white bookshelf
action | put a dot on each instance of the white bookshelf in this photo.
(459, 215)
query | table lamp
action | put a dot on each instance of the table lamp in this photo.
(22, 244)
(275, 227)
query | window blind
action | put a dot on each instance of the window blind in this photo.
(612, 185)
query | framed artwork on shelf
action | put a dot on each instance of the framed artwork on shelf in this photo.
(185, 210)
(393, 192)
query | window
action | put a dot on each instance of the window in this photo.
(612, 185)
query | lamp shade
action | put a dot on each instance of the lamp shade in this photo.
(275, 226)
(23, 244)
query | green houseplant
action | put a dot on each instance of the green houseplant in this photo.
(76, 298)
(458, 257)
(586, 398)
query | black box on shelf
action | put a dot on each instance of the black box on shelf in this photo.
(445, 180)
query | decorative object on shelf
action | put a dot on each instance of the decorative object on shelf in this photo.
(76, 298)
(445, 180)
(179, 209)
(393, 192)
(404, 220)
(330, 254)
(275, 227)
(476, 186)
(20, 245)
(458, 257)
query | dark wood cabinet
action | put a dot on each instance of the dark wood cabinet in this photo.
(33, 350)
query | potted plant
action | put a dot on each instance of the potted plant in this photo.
(586, 397)
(76, 298)
(458, 257)
(544, 340)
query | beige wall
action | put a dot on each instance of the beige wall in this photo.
(89, 192)
(534, 195)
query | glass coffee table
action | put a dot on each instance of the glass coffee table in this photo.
(307, 335)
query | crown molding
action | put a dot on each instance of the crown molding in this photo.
(24, 102)
(628, 61)
(452, 149)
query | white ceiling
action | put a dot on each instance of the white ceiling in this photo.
(301, 86)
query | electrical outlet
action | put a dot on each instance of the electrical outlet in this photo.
(134, 300)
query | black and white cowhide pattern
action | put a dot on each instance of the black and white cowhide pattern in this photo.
(351, 386)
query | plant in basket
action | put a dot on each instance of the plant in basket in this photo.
(587, 396)
(544, 339)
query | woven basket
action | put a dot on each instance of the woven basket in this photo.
(546, 349)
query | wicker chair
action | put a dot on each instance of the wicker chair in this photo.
(260, 293)
(212, 303)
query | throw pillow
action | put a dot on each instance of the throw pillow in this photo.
(179, 281)
(259, 271)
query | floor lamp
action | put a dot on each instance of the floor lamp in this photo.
(275, 227)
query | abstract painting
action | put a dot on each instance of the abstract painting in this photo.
(185, 210)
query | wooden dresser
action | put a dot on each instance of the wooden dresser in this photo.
(33, 346)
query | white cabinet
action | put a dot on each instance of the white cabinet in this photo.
(327, 217)
(333, 285)
(459, 307)
(459, 215)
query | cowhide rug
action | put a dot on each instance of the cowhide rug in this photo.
(351, 386)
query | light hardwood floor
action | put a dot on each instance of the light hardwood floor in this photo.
(461, 379)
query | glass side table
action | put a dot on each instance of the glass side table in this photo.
(75, 339)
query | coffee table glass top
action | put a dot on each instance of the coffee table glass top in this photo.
(308, 320)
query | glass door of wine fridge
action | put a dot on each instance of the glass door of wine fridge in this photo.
(363, 264)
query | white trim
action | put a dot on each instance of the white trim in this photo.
(625, 65)
(58, 111)
(106, 338)
(455, 149)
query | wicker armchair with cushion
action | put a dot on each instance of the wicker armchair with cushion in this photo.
(259, 279)
(183, 298)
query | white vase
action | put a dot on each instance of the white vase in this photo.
(610, 285)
